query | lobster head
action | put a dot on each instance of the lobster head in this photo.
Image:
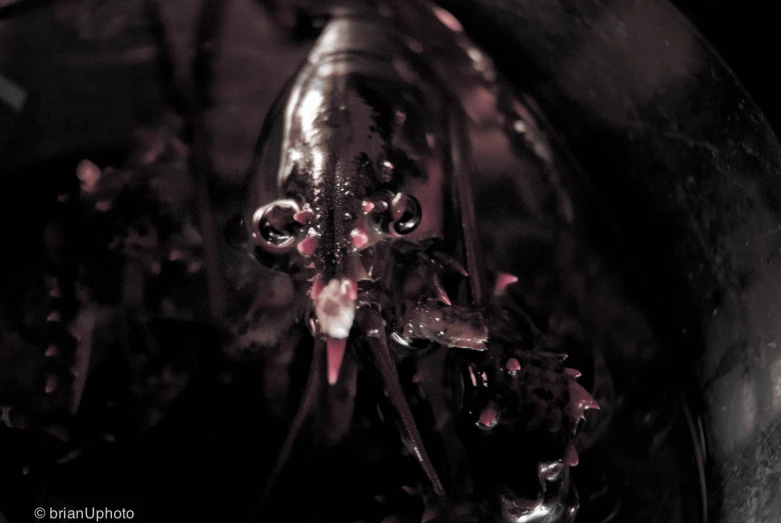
(327, 233)
(345, 185)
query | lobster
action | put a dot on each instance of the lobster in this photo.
(371, 214)
(361, 224)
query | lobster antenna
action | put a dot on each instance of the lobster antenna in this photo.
(190, 105)
(307, 401)
(699, 452)
(371, 321)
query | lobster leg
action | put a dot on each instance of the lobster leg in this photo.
(373, 326)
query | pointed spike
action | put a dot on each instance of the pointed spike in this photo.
(472, 376)
(5, 418)
(359, 237)
(503, 280)
(488, 418)
(571, 456)
(581, 396)
(51, 384)
(441, 293)
(70, 456)
(449, 263)
(398, 205)
(580, 401)
(455, 264)
(430, 514)
(443, 297)
(336, 349)
(53, 316)
(303, 217)
(360, 271)
(308, 245)
(513, 366)
(573, 373)
(51, 351)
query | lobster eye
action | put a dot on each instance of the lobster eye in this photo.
(397, 214)
(274, 227)
(410, 215)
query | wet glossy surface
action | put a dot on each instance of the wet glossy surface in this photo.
(385, 135)
(681, 161)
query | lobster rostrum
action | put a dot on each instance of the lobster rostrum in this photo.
(372, 207)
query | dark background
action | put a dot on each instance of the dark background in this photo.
(745, 33)
(748, 36)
